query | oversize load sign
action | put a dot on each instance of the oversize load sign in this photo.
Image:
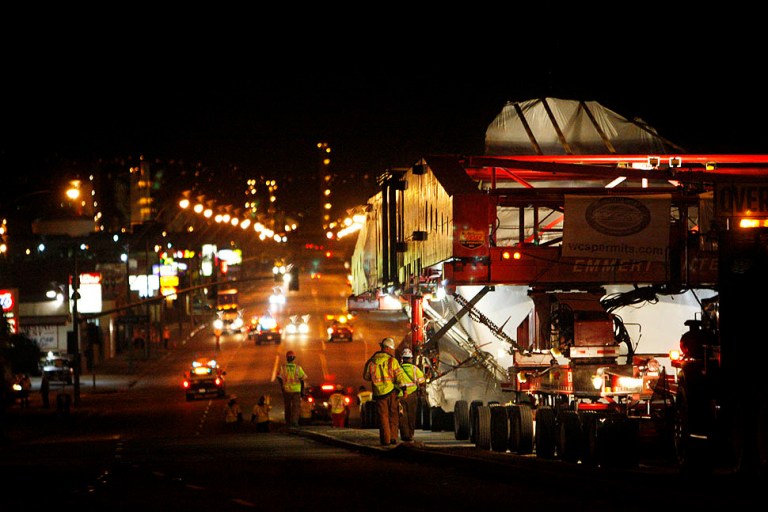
(741, 199)
(626, 228)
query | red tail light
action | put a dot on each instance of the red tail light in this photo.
(185, 384)
(328, 387)
(347, 400)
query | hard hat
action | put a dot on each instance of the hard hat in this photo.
(407, 353)
(388, 342)
(290, 355)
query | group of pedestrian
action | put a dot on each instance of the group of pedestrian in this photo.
(395, 390)
(24, 387)
(233, 413)
(397, 386)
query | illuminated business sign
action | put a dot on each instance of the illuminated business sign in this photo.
(89, 288)
(8, 298)
(231, 256)
(145, 286)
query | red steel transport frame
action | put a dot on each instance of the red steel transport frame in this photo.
(575, 396)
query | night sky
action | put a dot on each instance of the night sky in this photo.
(381, 97)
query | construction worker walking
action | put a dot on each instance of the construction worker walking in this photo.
(386, 376)
(291, 377)
(409, 403)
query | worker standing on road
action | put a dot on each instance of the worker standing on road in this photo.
(291, 377)
(26, 388)
(386, 375)
(409, 403)
(363, 395)
(338, 405)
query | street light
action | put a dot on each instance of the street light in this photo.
(73, 193)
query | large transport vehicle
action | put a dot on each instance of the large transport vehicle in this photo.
(229, 315)
(564, 228)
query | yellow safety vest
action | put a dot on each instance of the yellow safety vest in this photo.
(364, 396)
(336, 401)
(384, 372)
(292, 375)
(414, 373)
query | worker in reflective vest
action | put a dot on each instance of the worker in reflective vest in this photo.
(291, 377)
(409, 403)
(387, 376)
(363, 395)
(338, 405)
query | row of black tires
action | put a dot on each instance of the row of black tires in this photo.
(586, 437)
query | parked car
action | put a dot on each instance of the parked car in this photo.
(58, 367)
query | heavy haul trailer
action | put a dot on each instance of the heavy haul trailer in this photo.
(506, 225)
(590, 403)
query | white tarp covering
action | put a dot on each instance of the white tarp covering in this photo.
(507, 134)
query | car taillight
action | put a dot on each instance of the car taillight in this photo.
(218, 381)
(347, 400)
(328, 387)
(185, 384)
(310, 399)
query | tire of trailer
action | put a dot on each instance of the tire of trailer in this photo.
(436, 418)
(588, 450)
(426, 417)
(483, 427)
(461, 420)
(520, 429)
(569, 446)
(499, 429)
(546, 433)
(473, 405)
(447, 420)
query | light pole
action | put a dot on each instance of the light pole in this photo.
(76, 330)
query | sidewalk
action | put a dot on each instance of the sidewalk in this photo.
(112, 375)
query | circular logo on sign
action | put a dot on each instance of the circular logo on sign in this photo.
(618, 216)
